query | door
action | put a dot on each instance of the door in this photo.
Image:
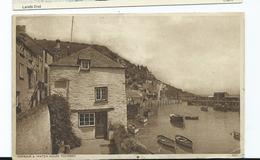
(101, 125)
(29, 72)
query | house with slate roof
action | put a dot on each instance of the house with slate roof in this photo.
(94, 86)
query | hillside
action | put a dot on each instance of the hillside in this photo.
(138, 77)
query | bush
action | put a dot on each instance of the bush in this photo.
(61, 126)
(125, 143)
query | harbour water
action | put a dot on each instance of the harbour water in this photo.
(211, 134)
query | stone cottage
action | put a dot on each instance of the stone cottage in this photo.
(94, 86)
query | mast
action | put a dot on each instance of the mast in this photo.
(71, 33)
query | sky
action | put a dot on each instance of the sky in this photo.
(199, 53)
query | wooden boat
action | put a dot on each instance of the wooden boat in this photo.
(205, 109)
(132, 129)
(176, 118)
(181, 140)
(166, 141)
(236, 135)
(143, 120)
(191, 117)
(222, 108)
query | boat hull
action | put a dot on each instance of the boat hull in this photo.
(221, 109)
(183, 141)
(174, 118)
(236, 135)
(132, 129)
(166, 141)
(205, 109)
(191, 118)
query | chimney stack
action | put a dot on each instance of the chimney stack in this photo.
(57, 44)
(20, 29)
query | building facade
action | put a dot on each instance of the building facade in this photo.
(94, 86)
(220, 95)
(32, 71)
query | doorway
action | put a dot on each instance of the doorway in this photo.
(101, 125)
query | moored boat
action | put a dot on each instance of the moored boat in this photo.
(176, 118)
(236, 135)
(142, 119)
(132, 129)
(166, 141)
(191, 117)
(205, 109)
(221, 108)
(181, 140)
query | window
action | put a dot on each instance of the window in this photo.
(86, 119)
(21, 50)
(45, 56)
(17, 98)
(21, 71)
(45, 75)
(45, 91)
(84, 64)
(18, 104)
(30, 78)
(101, 93)
(60, 84)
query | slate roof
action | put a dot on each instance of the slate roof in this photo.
(30, 44)
(50, 46)
(96, 58)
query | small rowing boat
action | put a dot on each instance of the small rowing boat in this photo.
(166, 141)
(191, 118)
(205, 109)
(132, 129)
(236, 135)
(181, 140)
(176, 118)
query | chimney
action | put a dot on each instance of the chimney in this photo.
(68, 50)
(20, 29)
(57, 46)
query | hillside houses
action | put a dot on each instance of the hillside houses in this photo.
(32, 69)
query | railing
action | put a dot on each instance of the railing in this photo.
(34, 97)
(216, 101)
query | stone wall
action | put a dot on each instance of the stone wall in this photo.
(33, 135)
(81, 90)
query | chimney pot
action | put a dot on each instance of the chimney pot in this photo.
(20, 28)
(57, 44)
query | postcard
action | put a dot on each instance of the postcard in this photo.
(55, 4)
(128, 86)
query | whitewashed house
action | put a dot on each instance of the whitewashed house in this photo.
(94, 86)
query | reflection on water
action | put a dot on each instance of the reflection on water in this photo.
(210, 134)
(178, 124)
(164, 147)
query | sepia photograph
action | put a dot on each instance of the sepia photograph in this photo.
(54, 4)
(109, 86)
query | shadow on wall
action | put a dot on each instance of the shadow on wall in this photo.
(61, 126)
(33, 134)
